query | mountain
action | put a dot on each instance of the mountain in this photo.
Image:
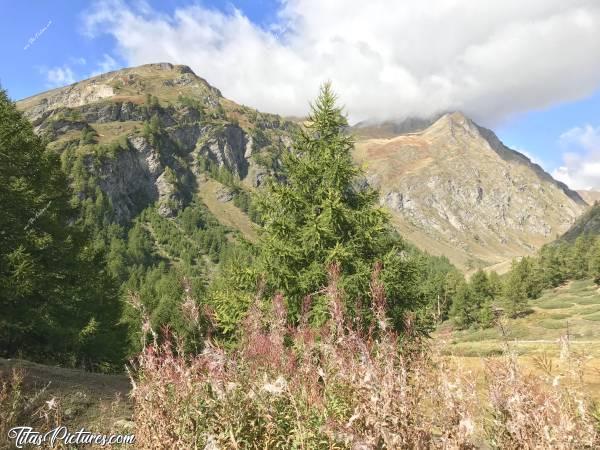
(587, 224)
(453, 188)
(589, 196)
(160, 133)
(389, 129)
(141, 134)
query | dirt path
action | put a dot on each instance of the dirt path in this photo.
(91, 400)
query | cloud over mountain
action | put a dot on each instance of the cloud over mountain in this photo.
(387, 59)
(581, 162)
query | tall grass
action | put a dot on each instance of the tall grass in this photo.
(346, 385)
(20, 409)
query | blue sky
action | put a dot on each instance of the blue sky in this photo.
(529, 72)
(62, 41)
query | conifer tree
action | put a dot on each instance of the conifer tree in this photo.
(56, 301)
(482, 298)
(515, 292)
(594, 261)
(463, 312)
(579, 261)
(321, 215)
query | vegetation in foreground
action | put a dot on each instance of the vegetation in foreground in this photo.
(344, 386)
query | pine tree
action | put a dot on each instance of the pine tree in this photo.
(462, 312)
(495, 285)
(482, 298)
(56, 301)
(320, 215)
(480, 287)
(578, 258)
(594, 261)
(515, 293)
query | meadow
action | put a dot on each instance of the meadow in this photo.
(564, 316)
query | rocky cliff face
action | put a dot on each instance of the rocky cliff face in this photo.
(455, 189)
(167, 118)
(131, 179)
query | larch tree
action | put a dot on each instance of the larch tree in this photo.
(322, 214)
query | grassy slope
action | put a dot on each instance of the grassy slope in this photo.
(572, 308)
(226, 212)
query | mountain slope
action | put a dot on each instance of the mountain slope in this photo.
(455, 189)
(390, 129)
(587, 224)
(589, 196)
(143, 134)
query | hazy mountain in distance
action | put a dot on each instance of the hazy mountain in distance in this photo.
(387, 129)
(587, 224)
(589, 196)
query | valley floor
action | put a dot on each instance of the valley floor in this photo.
(538, 338)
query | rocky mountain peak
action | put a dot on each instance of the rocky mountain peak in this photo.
(454, 188)
(145, 133)
(454, 125)
(165, 81)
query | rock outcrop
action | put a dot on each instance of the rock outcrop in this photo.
(191, 120)
(452, 187)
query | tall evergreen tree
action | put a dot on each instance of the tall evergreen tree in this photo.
(463, 312)
(56, 301)
(594, 261)
(482, 298)
(578, 258)
(321, 214)
(515, 289)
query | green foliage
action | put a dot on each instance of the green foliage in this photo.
(163, 262)
(57, 302)
(241, 198)
(463, 311)
(554, 264)
(318, 217)
(192, 103)
(438, 279)
(152, 101)
(473, 302)
(88, 136)
(152, 129)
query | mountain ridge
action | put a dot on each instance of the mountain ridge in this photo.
(148, 129)
(455, 189)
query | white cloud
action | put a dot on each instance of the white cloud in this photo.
(58, 76)
(106, 64)
(581, 163)
(78, 61)
(63, 75)
(387, 59)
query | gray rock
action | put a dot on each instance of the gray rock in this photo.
(225, 194)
